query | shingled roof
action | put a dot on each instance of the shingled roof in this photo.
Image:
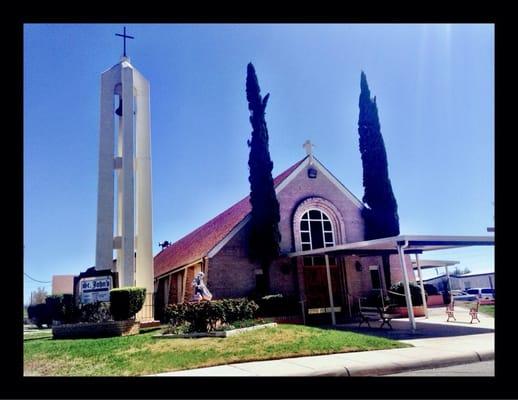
(199, 242)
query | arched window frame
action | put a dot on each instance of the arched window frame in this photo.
(323, 214)
(329, 209)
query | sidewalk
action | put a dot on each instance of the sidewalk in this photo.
(436, 344)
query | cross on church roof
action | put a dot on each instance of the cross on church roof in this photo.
(124, 36)
(309, 147)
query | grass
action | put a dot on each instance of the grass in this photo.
(142, 355)
(487, 309)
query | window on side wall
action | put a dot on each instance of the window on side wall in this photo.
(375, 277)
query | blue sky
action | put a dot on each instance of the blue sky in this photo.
(434, 85)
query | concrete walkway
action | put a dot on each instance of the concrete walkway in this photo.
(436, 344)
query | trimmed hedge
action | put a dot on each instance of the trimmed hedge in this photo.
(430, 289)
(56, 308)
(126, 302)
(61, 308)
(415, 294)
(94, 312)
(204, 316)
(39, 315)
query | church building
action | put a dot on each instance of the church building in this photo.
(316, 211)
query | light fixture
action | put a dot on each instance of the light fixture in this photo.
(312, 173)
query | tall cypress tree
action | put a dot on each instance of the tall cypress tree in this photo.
(380, 215)
(264, 229)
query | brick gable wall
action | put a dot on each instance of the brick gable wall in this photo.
(231, 274)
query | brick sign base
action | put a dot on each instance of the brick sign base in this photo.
(96, 330)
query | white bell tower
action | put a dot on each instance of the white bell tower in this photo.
(124, 221)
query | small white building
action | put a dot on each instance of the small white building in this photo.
(464, 281)
(474, 280)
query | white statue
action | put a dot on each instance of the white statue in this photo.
(200, 290)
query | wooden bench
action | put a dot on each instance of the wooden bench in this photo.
(473, 310)
(369, 313)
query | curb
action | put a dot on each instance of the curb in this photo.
(393, 367)
(388, 368)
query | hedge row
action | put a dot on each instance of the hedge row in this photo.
(430, 289)
(204, 316)
(124, 304)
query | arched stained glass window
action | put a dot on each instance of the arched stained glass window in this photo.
(316, 232)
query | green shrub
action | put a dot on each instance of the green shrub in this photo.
(205, 316)
(182, 328)
(398, 300)
(55, 307)
(126, 302)
(39, 315)
(374, 299)
(95, 312)
(430, 289)
(237, 309)
(70, 310)
(62, 308)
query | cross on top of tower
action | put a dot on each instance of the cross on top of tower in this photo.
(124, 36)
(309, 147)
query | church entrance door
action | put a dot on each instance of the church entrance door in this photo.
(317, 293)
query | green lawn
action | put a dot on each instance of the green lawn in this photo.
(487, 309)
(141, 354)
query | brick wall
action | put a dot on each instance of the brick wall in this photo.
(301, 188)
(173, 288)
(232, 275)
(189, 290)
(96, 330)
(396, 270)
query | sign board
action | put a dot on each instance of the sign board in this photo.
(95, 288)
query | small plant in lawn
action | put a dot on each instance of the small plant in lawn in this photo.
(180, 329)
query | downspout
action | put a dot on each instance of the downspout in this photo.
(408, 298)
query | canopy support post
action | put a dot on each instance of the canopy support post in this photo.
(421, 283)
(331, 302)
(401, 252)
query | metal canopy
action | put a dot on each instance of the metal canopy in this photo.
(401, 245)
(427, 264)
(416, 245)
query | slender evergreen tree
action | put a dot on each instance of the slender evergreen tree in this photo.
(380, 215)
(264, 229)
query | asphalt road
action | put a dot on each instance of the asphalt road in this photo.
(484, 368)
